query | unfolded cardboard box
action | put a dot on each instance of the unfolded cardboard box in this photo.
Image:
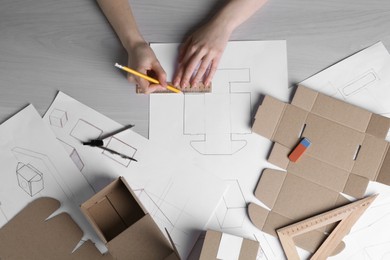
(218, 245)
(125, 226)
(348, 149)
(30, 235)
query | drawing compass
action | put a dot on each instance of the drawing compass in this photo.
(99, 142)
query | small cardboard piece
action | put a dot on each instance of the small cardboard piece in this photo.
(212, 243)
(29, 235)
(124, 225)
(348, 150)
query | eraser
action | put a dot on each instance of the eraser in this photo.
(299, 150)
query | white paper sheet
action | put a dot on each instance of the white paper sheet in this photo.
(178, 194)
(214, 129)
(363, 79)
(33, 164)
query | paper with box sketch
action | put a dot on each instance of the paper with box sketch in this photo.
(31, 235)
(348, 150)
(34, 165)
(362, 79)
(213, 129)
(178, 194)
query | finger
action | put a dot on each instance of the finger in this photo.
(161, 75)
(183, 49)
(179, 74)
(131, 78)
(185, 54)
(143, 85)
(205, 64)
(154, 87)
(213, 69)
(189, 69)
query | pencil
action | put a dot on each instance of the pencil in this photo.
(150, 79)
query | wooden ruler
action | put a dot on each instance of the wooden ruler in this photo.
(199, 88)
(347, 215)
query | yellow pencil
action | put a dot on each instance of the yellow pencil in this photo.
(150, 79)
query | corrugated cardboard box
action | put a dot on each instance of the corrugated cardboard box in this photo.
(124, 225)
(218, 245)
(29, 235)
(348, 149)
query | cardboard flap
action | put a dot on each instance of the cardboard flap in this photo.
(291, 126)
(142, 240)
(342, 113)
(267, 117)
(89, 251)
(249, 249)
(30, 236)
(210, 245)
(356, 186)
(304, 98)
(269, 186)
(384, 172)
(378, 126)
(319, 172)
(370, 156)
(279, 155)
(332, 143)
(172, 256)
(258, 215)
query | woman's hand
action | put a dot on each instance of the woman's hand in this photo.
(142, 59)
(200, 54)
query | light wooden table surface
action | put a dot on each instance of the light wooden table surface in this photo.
(52, 45)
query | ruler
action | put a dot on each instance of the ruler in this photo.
(347, 215)
(199, 88)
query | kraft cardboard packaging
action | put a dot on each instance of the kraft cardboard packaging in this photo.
(29, 235)
(125, 226)
(217, 244)
(115, 213)
(348, 149)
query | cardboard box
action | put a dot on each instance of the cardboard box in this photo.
(218, 245)
(348, 150)
(29, 235)
(124, 225)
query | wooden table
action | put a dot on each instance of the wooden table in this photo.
(52, 45)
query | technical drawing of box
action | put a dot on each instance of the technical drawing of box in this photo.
(122, 222)
(30, 179)
(348, 150)
(58, 118)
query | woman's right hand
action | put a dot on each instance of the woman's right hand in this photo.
(142, 59)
